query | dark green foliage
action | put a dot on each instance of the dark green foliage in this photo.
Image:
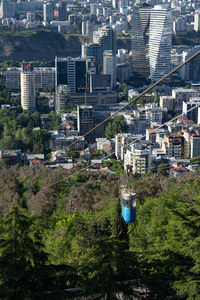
(119, 227)
(117, 125)
(114, 166)
(24, 269)
(106, 267)
(55, 121)
(22, 258)
(80, 221)
(16, 132)
(73, 154)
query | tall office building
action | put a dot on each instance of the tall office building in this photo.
(109, 66)
(72, 72)
(139, 39)
(85, 121)
(160, 36)
(48, 11)
(28, 101)
(105, 37)
(62, 11)
(62, 100)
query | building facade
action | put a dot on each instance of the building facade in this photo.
(28, 100)
(160, 36)
(139, 40)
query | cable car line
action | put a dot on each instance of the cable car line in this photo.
(135, 99)
(133, 142)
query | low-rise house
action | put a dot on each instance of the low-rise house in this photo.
(13, 157)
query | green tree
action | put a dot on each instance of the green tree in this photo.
(109, 269)
(117, 125)
(119, 227)
(22, 258)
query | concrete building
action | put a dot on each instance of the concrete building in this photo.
(28, 100)
(109, 66)
(104, 145)
(167, 102)
(62, 11)
(106, 38)
(160, 36)
(195, 146)
(13, 78)
(137, 158)
(174, 145)
(180, 95)
(85, 121)
(100, 82)
(72, 72)
(139, 39)
(193, 114)
(191, 71)
(48, 11)
(121, 142)
(59, 140)
(197, 21)
(62, 101)
(7, 9)
(44, 78)
(180, 26)
(123, 72)
(151, 135)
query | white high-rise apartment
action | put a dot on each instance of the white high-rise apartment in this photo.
(28, 101)
(197, 20)
(109, 65)
(160, 37)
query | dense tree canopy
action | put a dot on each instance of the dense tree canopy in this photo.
(117, 125)
(75, 224)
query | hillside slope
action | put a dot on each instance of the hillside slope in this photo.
(42, 45)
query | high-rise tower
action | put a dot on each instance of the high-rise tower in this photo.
(105, 37)
(109, 66)
(72, 72)
(48, 11)
(139, 39)
(160, 37)
(28, 101)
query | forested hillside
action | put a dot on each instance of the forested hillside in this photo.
(71, 234)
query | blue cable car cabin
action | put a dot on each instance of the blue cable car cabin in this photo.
(128, 204)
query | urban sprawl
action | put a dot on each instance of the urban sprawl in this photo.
(77, 93)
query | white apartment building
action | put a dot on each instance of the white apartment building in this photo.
(121, 141)
(138, 159)
(44, 78)
(28, 100)
(160, 36)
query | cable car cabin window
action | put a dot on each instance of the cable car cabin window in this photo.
(129, 203)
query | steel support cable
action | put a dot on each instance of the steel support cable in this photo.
(133, 142)
(135, 99)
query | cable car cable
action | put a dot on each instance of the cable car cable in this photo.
(135, 99)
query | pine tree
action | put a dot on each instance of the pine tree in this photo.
(119, 227)
(22, 258)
